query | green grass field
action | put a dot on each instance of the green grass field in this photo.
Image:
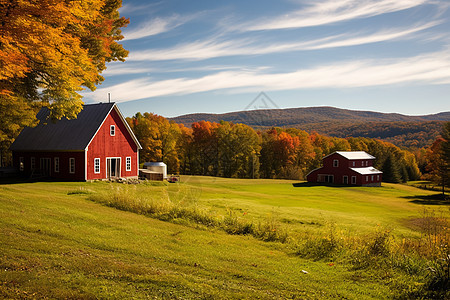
(67, 240)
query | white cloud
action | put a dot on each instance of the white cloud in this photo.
(117, 70)
(213, 48)
(433, 68)
(331, 11)
(156, 26)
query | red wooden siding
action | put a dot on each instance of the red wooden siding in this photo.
(339, 167)
(104, 146)
(63, 163)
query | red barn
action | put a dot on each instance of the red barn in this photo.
(99, 144)
(347, 168)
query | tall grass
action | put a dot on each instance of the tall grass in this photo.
(179, 206)
(426, 258)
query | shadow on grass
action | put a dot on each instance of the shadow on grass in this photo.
(310, 184)
(21, 179)
(435, 199)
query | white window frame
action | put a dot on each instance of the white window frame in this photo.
(56, 163)
(72, 165)
(21, 164)
(335, 163)
(353, 179)
(33, 163)
(128, 163)
(112, 130)
(97, 165)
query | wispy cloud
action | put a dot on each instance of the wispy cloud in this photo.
(128, 8)
(331, 11)
(433, 68)
(215, 48)
(117, 70)
(157, 26)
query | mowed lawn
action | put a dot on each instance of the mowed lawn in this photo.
(56, 243)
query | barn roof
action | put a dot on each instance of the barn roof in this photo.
(367, 171)
(66, 135)
(355, 155)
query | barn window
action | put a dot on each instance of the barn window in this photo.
(371, 178)
(378, 177)
(367, 178)
(21, 166)
(129, 163)
(112, 130)
(56, 164)
(335, 163)
(353, 179)
(71, 165)
(353, 163)
(96, 165)
(345, 179)
(33, 163)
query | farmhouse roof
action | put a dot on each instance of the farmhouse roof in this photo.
(68, 135)
(354, 155)
(367, 171)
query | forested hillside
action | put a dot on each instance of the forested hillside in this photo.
(237, 150)
(402, 130)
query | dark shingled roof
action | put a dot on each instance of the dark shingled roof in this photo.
(65, 134)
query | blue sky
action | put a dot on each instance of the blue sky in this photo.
(217, 56)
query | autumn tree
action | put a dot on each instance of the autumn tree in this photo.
(49, 51)
(205, 145)
(158, 137)
(445, 153)
(438, 159)
(238, 151)
(185, 149)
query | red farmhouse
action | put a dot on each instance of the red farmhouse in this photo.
(347, 168)
(99, 144)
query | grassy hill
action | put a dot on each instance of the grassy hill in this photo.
(77, 240)
(403, 130)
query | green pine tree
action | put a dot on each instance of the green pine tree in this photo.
(390, 170)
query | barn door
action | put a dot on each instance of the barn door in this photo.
(45, 166)
(113, 167)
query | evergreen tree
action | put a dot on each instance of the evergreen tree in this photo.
(391, 170)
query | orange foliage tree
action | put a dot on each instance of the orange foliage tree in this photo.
(49, 51)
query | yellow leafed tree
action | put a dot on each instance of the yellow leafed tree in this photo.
(49, 51)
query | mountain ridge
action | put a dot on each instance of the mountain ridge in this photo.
(403, 130)
(313, 114)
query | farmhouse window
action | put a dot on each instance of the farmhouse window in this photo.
(345, 179)
(96, 165)
(56, 164)
(112, 130)
(353, 179)
(371, 178)
(353, 163)
(378, 177)
(21, 166)
(71, 165)
(367, 178)
(128, 164)
(33, 163)
(335, 163)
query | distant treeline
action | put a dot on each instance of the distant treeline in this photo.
(237, 150)
(407, 132)
(406, 135)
